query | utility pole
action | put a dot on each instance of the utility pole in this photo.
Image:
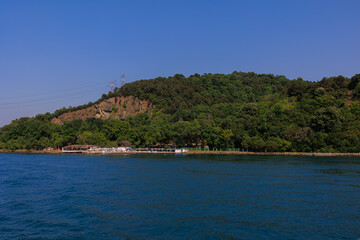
(112, 85)
(122, 80)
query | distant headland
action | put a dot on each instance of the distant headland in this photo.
(246, 112)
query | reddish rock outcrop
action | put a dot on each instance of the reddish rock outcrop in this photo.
(113, 108)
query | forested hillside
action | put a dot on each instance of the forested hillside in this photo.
(255, 112)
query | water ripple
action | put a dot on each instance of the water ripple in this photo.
(178, 197)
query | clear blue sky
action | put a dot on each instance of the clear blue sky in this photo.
(61, 53)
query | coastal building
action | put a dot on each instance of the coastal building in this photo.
(77, 148)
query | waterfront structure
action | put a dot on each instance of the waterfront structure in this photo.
(77, 148)
(90, 149)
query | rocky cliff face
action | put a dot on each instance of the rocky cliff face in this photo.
(113, 108)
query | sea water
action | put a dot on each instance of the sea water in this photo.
(178, 197)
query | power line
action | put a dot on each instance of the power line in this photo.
(46, 98)
(37, 103)
(58, 97)
(72, 89)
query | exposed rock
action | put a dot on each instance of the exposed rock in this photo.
(113, 108)
(57, 121)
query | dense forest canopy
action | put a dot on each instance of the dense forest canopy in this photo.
(254, 112)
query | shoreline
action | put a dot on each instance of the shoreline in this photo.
(202, 152)
(277, 153)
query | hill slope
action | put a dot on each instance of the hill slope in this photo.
(112, 108)
(258, 112)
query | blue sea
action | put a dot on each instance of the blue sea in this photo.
(178, 197)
